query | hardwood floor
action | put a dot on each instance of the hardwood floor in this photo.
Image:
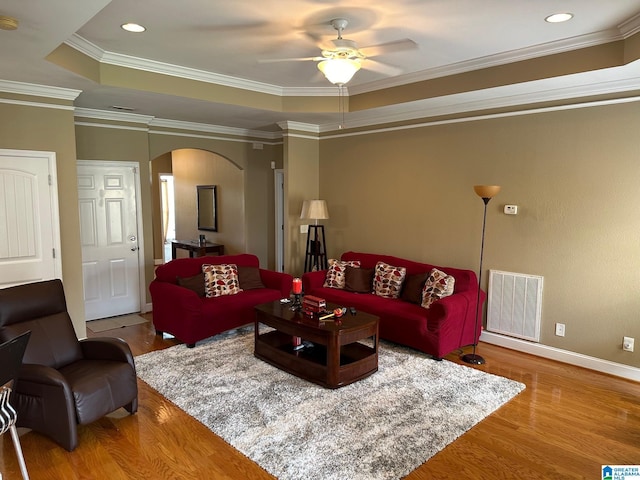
(566, 424)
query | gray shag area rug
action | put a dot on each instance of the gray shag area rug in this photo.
(382, 427)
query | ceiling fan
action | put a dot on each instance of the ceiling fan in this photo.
(342, 58)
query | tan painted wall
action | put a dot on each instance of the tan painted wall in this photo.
(48, 129)
(198, 167)
(31, 128)
(159, 166)
(301, 170)
(259, 191)
(574, 175)
(259, 219)
(96, 143)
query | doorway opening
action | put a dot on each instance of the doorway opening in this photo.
(168, 214)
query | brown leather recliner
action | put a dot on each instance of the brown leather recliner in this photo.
(63, 382)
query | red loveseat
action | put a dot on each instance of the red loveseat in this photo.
(447, 325)
(185, 314)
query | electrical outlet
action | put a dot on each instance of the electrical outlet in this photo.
(627, 344)
(560, 329)
(304, 228)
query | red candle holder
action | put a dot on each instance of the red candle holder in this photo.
(296, 289)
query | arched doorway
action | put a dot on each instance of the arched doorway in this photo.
(188, 169)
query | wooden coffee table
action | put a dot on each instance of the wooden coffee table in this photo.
(342, 352)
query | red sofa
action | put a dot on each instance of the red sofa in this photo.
(447, 325)
(180, 311)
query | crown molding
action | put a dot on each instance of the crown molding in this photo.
(112, 116)
(127, 61)
(625, 30)
(179, 71)
(536, 51)
(85, 47)
(330, 91)
(630, 27)
(151, 122)
(36, 104)
(528, 93)
(109, 125)
(215, 129)
(299, 126)
(480, 117)
(22, 88)
(499, 97)
(275, 140)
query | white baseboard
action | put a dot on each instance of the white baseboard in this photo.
(565, 356)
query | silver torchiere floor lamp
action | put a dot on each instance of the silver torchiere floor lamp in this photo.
(486, 192)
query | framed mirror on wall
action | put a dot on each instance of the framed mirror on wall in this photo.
(207, 208)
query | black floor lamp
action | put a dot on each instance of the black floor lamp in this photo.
(316, 252)
(486, 192)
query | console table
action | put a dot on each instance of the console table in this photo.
(196, 248)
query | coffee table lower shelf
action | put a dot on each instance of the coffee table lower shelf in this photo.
(356, 361)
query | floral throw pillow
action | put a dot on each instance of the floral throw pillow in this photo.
(387, 280)
(220, 280)
(437, 286)
(335, 277)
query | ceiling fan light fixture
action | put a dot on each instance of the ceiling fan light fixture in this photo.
(339, 70)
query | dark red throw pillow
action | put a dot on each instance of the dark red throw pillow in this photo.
(195, 283)
(249, 278)
(412, 289)
(358, 280)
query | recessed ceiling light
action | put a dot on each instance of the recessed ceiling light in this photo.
(133, 27)
(559, 17)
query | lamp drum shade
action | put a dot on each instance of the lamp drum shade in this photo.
(314, 210)
(486, 191)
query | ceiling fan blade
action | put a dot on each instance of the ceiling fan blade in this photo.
(316, 39)
(300, 59)
(396, 46)
(317, 32)
(380, 67)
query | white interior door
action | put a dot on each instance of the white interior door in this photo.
(109, 233)
(29, 232)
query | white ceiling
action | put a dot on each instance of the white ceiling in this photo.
(230, 39)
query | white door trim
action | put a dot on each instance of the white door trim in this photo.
(139, 220)
(279, 216)
(50, 157)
